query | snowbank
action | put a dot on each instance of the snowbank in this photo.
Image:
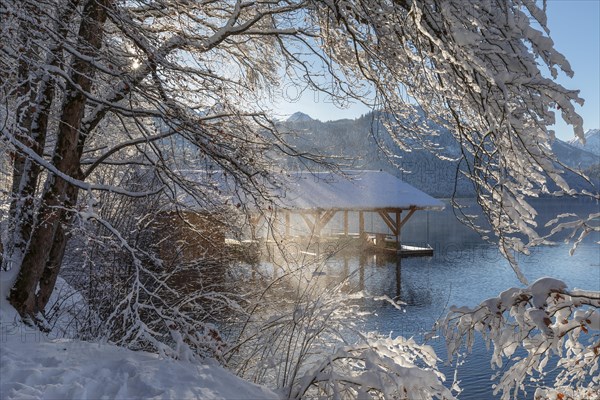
(32, 367)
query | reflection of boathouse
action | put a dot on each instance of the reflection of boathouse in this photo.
(326, 206)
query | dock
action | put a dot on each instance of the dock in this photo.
(350, 244)
(388, 245)
(314, 205)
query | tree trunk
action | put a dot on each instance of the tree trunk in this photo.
(33, 132)
(25, 96)
(67, 156)
(57, 252)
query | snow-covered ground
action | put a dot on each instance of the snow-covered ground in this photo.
(35, 367)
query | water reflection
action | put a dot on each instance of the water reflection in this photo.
(463, 271)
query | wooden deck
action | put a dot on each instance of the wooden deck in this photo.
(416, 251)
(353, 244)
(407, 251)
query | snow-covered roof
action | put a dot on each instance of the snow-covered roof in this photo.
(352, 190)
(357, 190)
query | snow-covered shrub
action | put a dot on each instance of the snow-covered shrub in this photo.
(377, 367)
(543, 320)
(304, 338)
(134, 298)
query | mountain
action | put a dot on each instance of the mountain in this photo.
(359, 144)
(574, 156)
(299, 117)
(592, 142)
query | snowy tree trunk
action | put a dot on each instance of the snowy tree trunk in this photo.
(57, 252)
(25, 95)
(67, 156)
(32, 130)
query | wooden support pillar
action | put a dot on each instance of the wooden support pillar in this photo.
(254, 220)
(410, 213)
(361, 225)
(398, 227)
(309, 223)
(317, 233)
(345, 222)
(317, 224)
(319, 221)
(346, 272)
(325, 218)
(389, 222)
(400, 223)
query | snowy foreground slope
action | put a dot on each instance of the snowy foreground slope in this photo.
(34, 367)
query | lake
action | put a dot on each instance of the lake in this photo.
(464, 270)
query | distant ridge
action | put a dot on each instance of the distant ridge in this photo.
(299, 117)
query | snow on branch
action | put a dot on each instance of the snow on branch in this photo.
(540, 327)
(73, 181)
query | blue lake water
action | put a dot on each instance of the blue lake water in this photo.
(464, 270)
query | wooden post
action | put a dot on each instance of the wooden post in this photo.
(317, 233)
(345, 222)
(398, 227)
(391, 224)
(287, 224)
(361, 225)
(309, 223)
(254, 220)
(317, 226)
(325, 218)
(398, 277)
(410, 213)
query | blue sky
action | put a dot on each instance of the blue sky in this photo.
(574, 27)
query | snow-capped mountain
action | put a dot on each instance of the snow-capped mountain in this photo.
(592, 142)
(299, 117)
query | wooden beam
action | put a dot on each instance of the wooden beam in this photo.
(317, 225)
(389, 222)
(410, 213)
(325, 218)
(309, 223)
(320, 220)
(254, 220)
(361, 224)
(398, 215)
(345, 222)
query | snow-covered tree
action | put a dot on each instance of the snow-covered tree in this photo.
(90, 85)
(203, 70)
(541, 328)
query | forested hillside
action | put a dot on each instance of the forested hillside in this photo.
(364, 143)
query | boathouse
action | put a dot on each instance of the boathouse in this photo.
(317, 199)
